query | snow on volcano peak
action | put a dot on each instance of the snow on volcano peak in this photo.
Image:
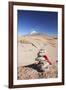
(33, 32)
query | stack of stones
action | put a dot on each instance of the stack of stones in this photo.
(42, 62)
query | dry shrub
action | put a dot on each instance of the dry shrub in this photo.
(24, 41)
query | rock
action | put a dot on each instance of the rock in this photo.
(40, 54)
(45, 67)
(40, 59)
(42, 51)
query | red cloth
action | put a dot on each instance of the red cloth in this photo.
(47, 59)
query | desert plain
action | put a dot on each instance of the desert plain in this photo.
(28, 47)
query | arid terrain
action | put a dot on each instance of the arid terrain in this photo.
(28, 47)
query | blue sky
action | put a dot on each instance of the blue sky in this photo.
(39, 21)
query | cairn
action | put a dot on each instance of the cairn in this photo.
(42, 64)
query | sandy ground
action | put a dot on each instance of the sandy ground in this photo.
(28, 49)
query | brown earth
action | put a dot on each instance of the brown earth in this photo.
(28, 47)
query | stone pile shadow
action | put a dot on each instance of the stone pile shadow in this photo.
(34, 66)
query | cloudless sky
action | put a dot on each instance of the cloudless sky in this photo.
(39, 21)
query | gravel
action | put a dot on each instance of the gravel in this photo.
(25, 73)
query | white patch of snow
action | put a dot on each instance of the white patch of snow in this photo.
(33, 32)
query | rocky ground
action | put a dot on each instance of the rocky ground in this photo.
(28, 47)
(31, 72)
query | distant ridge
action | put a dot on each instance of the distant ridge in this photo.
(35, 33)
